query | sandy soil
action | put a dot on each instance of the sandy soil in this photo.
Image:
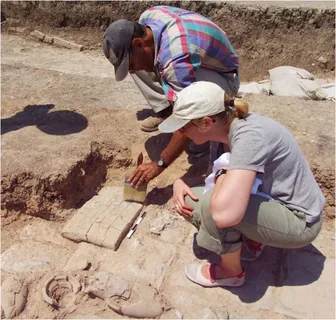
(68, 129)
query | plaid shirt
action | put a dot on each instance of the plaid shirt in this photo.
(185, 41)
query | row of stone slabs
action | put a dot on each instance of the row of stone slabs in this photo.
(104, 220)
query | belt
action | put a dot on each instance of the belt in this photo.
(232, 71)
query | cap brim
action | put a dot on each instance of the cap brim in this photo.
(122, 70)
(172, 124)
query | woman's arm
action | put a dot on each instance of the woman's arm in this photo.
(230, 197)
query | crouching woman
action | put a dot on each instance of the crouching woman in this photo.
(261, 148)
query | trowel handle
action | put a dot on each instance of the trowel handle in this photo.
(140, 159)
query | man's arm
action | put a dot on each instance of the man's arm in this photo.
(148, 171)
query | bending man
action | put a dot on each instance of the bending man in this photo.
(165, 51)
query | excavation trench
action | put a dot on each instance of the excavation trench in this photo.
(50, 197)
(264, 36)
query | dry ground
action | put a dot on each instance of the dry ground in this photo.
(69, 129)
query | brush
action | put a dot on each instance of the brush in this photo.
(132, 194)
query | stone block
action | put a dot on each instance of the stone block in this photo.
(68, 44)
(112, 238)
(104, 220)
(86, 252)
(37, 34)
(76, 47)
(93, 236)
(121, 225)
(16, 29)
(131, 212)
(62, 43)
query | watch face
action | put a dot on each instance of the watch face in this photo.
(160, 163)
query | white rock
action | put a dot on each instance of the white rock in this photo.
(323, 60)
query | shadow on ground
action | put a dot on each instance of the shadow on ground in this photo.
(280, 267)
(156, 144)
(60, 122)
(195, 174)
(144, 114)
(276, 267)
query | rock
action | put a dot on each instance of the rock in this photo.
(68, 44)
(161, 222)
(105, 285)
(13, 297)
(16, 29)
(38, 34)
(77, 264)
(323, 60)
(48, 39)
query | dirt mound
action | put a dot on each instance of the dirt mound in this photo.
(264, 36)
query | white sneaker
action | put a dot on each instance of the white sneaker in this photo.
(194, 274)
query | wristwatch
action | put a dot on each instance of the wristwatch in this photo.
(162, 164)
(219, 173)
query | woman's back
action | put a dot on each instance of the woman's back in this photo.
(261, 144)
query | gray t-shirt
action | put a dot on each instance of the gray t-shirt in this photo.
(265, 146)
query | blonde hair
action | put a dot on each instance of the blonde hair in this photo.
(234, 108)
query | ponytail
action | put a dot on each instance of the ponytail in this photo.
(235, 108)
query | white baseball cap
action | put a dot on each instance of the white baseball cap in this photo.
(196, 101)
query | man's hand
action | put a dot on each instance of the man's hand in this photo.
(144, 173)
(180, 190)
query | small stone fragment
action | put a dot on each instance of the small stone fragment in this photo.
(48, 39)
(323, 60)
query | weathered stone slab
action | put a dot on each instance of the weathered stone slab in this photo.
(104, 220)
(68, 44)
(33, 256)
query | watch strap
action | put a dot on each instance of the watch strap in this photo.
(219, 173)
(163, 163)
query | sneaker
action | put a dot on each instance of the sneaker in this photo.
(249, 255)
(194, 273)
(151, 124)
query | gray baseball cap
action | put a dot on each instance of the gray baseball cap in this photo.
(117, 44)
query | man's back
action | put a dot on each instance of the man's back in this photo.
(186, 41)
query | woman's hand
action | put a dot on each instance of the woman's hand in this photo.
(180, 191)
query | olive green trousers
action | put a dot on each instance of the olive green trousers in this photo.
(266, 221)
